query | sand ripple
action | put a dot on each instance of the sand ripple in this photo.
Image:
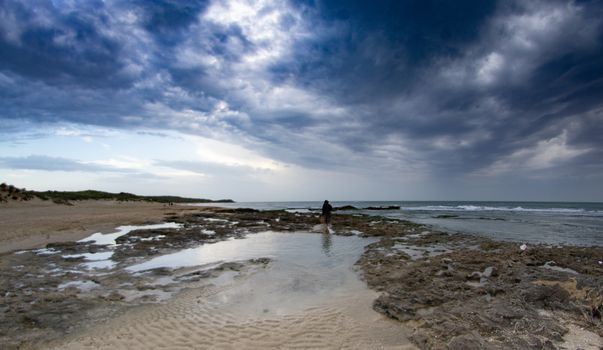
(199, 319)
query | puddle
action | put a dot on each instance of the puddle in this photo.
(83, 286)
(304, 249)
(100, 260)
(90, 256)
(306, 270)
(109, 238)
(215, 220)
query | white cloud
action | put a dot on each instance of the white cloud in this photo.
(490, 67)
(543, 155)
(122, 162)
(230, 154)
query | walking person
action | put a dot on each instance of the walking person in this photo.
(326, 212)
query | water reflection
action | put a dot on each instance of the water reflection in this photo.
(327, 243)
(305, 250)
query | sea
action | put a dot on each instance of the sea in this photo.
(552, 223)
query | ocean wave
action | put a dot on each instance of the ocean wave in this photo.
(511, 209)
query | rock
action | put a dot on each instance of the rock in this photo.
(263, 261)
(597, 311)
(466, 341)
(547, 296)
(162, 271)
(394, 308)
(475, 275)
(421, 340)
(244, 210)
(445, 273)
(233, 266)
(345, 207)
(114, 296)
(29, 321)
(54, 297)
(391, 207)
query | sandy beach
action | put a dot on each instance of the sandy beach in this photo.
(215, 278)
(35, 223)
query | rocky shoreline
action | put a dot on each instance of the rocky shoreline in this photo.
(459, 291)
(454, 291)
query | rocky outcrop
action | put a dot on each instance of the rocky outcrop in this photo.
(481, 294)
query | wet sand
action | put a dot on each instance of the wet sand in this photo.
(199, 319)
(308, 299)
(35, 223)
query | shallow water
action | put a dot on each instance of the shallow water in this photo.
(109, 238)
(306, 269)
(309, 296)
(532, 222)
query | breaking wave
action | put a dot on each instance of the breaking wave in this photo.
(511, 209)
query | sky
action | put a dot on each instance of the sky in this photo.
(267, 100)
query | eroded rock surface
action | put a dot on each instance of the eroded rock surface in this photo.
(469, 292)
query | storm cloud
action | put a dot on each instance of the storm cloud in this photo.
(472, 89)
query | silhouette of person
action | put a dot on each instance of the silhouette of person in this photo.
(326, 212)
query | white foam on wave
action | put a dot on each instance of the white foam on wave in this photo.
(511, 209)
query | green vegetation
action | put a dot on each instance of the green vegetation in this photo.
(121, 196)
(13, 193)
(63, 197)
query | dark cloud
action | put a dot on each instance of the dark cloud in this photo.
(61, 48)
(464, 92)
(452, 88)
(167, 18)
